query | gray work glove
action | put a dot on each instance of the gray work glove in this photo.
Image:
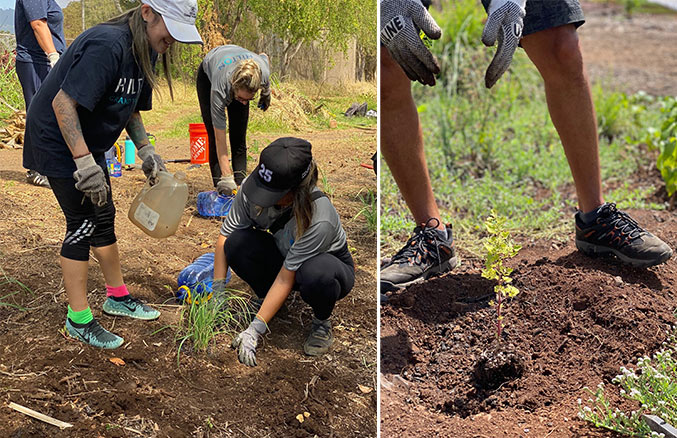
(226, 185)
(90, 180)
(152, 162)
(400, 24)
(246, 342)
(505, 23)
(53, 58)
(264, 100)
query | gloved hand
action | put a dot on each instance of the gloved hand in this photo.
(400, 24)
(226, 185)
(152, 162)
(247, 341)
(90, 180)
(505, 23)
(264, 101)
(53, 57)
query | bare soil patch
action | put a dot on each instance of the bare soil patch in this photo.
(209, 395)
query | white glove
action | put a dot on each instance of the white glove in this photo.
(505, 23)
(90, 180)
(53, 57)
(226, 185)
(400, 24)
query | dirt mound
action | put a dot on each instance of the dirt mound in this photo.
(575, 322)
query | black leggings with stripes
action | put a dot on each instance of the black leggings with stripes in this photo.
(87, 225)
(322, 280)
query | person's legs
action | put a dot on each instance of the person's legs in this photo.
(80, 225)
(323, 280)
(238, 119)
(30, 77)
(204, 89)
(557, 56)
(254, 257)
(600, 227)
(402, 142)
(430, 250)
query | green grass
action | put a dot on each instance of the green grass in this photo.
(9, 288)
(369, 210)
(202, 320)
(10, 86)
(498, 150)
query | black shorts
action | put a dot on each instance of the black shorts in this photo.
(546, 14)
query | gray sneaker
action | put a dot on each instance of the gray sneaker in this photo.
(320, 338)
(425, 254)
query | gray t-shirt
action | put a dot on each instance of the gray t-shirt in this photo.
(219, 65)
(325, 233)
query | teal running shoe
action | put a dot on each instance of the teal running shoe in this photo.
(93, 334)
(128, 306)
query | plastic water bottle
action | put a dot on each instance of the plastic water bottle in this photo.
(196, 278)
(211, 204)
(114, 167)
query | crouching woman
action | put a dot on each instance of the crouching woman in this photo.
(284, 234)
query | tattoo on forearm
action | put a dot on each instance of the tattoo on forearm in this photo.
(65, 110)
(136, 130)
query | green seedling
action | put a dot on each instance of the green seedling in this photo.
(499, 247)
(202, 320)
(369, 211)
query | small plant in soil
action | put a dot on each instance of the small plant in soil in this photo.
(652, 384)
(203, 319)
(499, 247)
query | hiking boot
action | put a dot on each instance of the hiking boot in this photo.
(614, 232)
(425, 254)
(128, 306)
(320, 338)
(93, 334)
(35, 178)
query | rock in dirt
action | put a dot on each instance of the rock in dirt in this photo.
(498, 364)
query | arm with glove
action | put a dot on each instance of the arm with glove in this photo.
(89, 176)
(505, 24)
(401, 21)
(264, 99)
(44, 37)
(152, 163)
(247, 341)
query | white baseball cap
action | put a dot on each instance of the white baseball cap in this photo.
(179, 17)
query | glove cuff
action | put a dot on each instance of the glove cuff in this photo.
(86, 161)
(228, 178)
(146, 151)
(259, 326)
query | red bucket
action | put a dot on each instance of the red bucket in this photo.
(199, 146)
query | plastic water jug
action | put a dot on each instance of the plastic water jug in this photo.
(157, 209)
(211, 204)
(196, 278)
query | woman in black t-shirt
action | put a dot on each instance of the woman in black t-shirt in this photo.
(95, 91)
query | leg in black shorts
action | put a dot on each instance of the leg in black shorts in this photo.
(87, 225)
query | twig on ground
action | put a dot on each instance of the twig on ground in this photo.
(39, 416)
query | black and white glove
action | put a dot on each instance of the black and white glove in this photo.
(152, 162)
(90, 180)
(226, 185)
(505, 23)
(247, 341)
(400, 24)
